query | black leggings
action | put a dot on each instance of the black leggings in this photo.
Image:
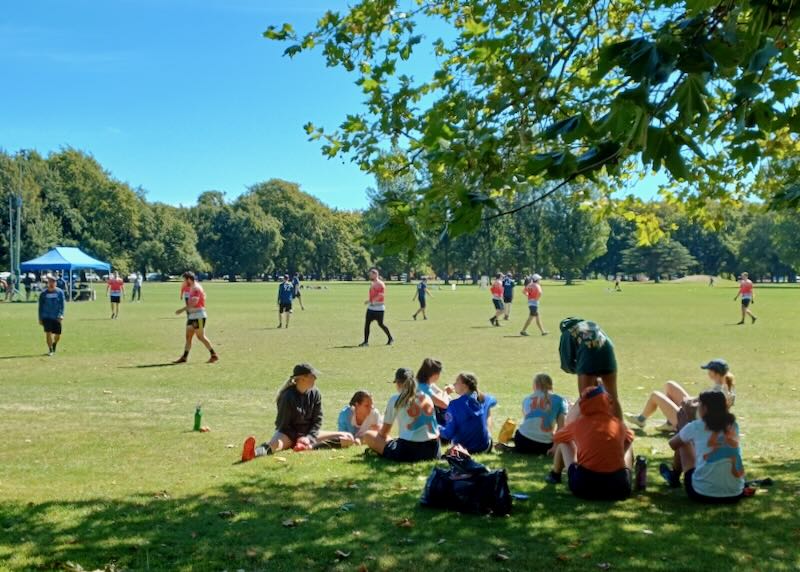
(375, 316)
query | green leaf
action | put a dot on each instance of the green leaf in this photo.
(696, 6)
(783, 88)
(786, 198)
(749, 154)
(761, 58)
(475, 28)
(690, 97)
(569, 129)
(675, 164)
(597, 157)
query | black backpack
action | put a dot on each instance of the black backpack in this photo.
(467, 487)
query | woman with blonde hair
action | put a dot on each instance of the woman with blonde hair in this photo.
(543, 413)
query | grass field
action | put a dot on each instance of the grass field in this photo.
(98, 465)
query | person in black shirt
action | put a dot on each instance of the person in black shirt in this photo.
(299, 418)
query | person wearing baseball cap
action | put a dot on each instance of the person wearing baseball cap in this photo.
(674, 395)
(299, 419)
(533, 290)
(748, 298)
(413, 411)
(51, 313)
(286, 293)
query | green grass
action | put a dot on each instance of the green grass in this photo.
(97, 464)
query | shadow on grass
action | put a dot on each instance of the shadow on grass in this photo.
(280, 520)
(24, 356)
(356, 346)
(149, 365)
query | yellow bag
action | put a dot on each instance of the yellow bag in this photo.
(507, 431)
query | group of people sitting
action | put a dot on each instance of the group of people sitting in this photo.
(589, 439)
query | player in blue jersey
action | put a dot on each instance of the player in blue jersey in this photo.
(508, 292)
(422, 294)
(285, 297)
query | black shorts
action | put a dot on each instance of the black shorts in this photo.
(404, 451)
(197, 324)
(498, 304)
(284, 307)
(373, 315)
(697, 497)
(534, 310)
(52, 326)
(528, 446)
(508, 299)
(423, 303)
(745, 302)
(591, 485)
(115, 298)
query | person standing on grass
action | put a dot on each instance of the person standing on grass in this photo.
(533, 290)
(297, 288)
(286, 292)
(422, 292)
(497, 299)
(137, 288)
(586, 350)
(196, 317)
(596, 448)
(413, 411)
(508, 293)
(51, 313)
(27, 281)
(299, 418)
(617, 287)
(376, 308)
(115, 287)
(710, 454)
(748, 298)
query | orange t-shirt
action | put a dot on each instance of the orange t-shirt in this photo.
(533, 291)
(746, 288)
(600, 437)
(115, 285)
(497, 290)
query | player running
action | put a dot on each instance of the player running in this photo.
(533, 290)
(297, 294)
(116, 287)
(422, 294)
(376, 308)
(196, 317)
(51, 313)
(497, 299)
(508, 293)
(286, 292)
(748, 298)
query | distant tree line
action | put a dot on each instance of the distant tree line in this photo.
(275, 227)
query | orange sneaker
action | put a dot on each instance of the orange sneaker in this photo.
(249, 449)
(213, 359)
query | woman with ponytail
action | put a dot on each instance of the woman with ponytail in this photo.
(299, 418)
(710, 454)
(543, 413)
(413, 411)
(468, 417)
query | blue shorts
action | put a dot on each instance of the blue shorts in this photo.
(533, 309)
(498, 304)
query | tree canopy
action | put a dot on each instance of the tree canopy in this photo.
(526, 97)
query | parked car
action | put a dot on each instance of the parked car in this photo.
(156, 277)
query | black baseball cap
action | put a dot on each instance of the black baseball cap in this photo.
(402, 374)
(304, 369)
(718, 365)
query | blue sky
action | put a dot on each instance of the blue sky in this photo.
(179, 96)
(175, 96)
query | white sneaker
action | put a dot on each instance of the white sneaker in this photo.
(666, 427)
(636, 420)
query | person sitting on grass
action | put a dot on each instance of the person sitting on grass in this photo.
(543, 412)
(359, 416)
(468, 417)
(586, 350)
(596, 449)
(427, 375)
(299, 418)
(674, 395)
(710, 453)
(413, 411)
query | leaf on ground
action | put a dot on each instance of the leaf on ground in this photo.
(292, 522)
(647, 531)
(230, 446)
(226, 514)
(563, 558)
(500, 557)
(251, 552)
(441, 541)
(352, 486)
(161, 495)
(107, 391)
(347, 507)
(342, 554)
(405, 523)
(604, 566)
(279, 459)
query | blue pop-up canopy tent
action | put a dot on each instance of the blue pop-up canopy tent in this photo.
(64, 259)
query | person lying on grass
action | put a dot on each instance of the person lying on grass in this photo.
(299, 418)
(413, 411)
(586, 350)
(543, 412)
(428, 374)
(710, 453)
(596, 449)
(674, 395)
(468, 417)
(359, 416)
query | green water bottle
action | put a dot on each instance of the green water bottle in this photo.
(198, 417)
